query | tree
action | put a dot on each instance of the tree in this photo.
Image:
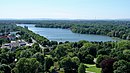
(53, 43)
(100, 58)
(81, 43)
(125, 44)
(48, 62)
(4, 50)
(61, 50)
(5, 68)
(90, 48)
(1, 42)
(27, 65)
(68, 65)
(124, 36)
(127, 55)
(81, 68)
(29, 40)
(121, 66)
(103, 51)
(10, 57)
(107, 65)
(7, 57)
(117, 53)
(25, 54)
(39, 56)
(76, 60)
(52, 69)
(89, 59)
(36, 47)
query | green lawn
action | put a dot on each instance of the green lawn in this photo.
(48, 55)
(93, 68)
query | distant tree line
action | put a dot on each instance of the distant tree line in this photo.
(119, 29)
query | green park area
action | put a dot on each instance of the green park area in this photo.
(92, 68)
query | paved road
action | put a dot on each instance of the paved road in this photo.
(34, 41)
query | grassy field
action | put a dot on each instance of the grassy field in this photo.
(92, 68)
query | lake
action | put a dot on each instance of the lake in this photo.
(62, 35)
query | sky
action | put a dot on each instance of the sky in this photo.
(62, 9)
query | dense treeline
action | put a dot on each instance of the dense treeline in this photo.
(27, 34)
(110, 56)
(69, 57)
(118, 29)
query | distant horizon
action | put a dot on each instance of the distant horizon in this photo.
(62, 19)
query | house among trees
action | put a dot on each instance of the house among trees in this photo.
(14, 44)
(13, 35)
(3, 36)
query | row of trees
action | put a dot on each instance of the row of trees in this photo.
(29, 35)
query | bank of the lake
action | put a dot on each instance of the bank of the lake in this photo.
(62, 35)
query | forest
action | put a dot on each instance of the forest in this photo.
(68, 57)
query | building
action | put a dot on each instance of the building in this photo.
(13, 35)
(14, 44)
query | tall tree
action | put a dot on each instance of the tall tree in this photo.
(81, 68)
(27, 65)
(48, 62)
(107, 65)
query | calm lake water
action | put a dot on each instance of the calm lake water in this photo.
(62, 35)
